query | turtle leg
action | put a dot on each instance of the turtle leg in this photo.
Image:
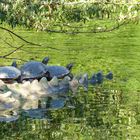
(70, 75)
(19, 79)
(47, 75)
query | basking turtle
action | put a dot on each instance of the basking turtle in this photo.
(10, 73)
(59, 71)
(35, 70)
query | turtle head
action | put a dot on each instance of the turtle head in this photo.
(45, 60)
(69, 66)
(14, 64)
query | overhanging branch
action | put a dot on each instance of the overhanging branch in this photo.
(8, 54)
(31, 43)
(92, 31)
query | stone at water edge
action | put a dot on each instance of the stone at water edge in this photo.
(9, 100)
(21, 89)
(35, 86)
(5, 95)
(74, 85)
(1, 83)
(84, 81)
(44, 82)
(54, 82)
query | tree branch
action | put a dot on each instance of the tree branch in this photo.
(99, 2)
(31, 43)
(93, 31)
(13, 46)
(8, 54)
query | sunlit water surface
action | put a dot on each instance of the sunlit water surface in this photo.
(110, 111)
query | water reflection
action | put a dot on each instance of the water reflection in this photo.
(32, 108)
(12, 116)
(38, 107)
(44, 105)
(106, 112)
(98, 111)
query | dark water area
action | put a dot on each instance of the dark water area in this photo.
(110, 111)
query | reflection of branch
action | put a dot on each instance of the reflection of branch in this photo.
(31, 43)
(8, 54)
(93, 31)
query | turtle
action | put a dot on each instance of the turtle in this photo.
(35, 70)
(60, 71)
(8, 74)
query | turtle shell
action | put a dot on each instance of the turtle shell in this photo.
(33, 70)
(58, 71)
(9, 72)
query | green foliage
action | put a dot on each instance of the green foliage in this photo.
(43, 15)
(106, 112)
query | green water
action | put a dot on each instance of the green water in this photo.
(110, 111)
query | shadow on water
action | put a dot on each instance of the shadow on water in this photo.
(108, 111)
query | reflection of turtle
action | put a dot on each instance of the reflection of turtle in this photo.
(99, 77)
(35, 70)
(9, 73)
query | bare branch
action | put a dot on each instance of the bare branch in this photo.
(11, 35)
(31, 43)
(10, 32)
(93, 31)
(99, 2)
(8, 54)
(13, 46)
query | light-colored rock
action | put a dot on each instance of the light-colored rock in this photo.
(54, 82)
(74, 85)
(44, 83)
(1, 83)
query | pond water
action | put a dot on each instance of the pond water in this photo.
(110, 111)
